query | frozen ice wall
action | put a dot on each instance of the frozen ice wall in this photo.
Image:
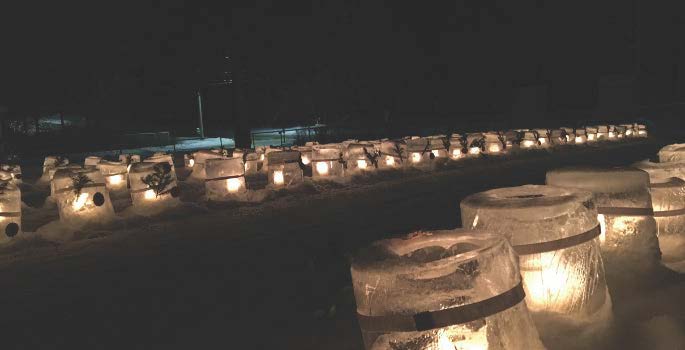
(629, 235)
(555, 231)
(400, 282)
(225, 179)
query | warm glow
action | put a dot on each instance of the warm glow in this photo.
(191, 162)
(474, 150)
(602, 227)
(305, 160)
(233, 184)
(542, 140)
(579, 139)
(415, 157)
(568, 138)
(389, 161)
(642, 132)
(322, 168)
(493, 148)
(278, 177)
(550, 281)
(456, 153)
(629, 132)
(116, 179)
(261, 157)
(361, 164)
(527, 143)
(462, 338)
(436, 153)
(591, 137)
(612, 134)
(80, 201)
(150, 194)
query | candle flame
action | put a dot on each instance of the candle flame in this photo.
(191, 162)
(415, 157)
(389, 161)
(116, 179)
(150, 194)
(80, 201)
(361, 164)
(233, 184)
(278, 177)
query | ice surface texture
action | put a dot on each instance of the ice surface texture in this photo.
(360, 157)
(660, 172)
(629, 242)
(225, 179)
(284, 168)
(565, 284)
(115, 173)
(82, 196)
(393, 155)
(672, 153)
(143, 195)
(432, 271)
(199, 167)
(326, 164)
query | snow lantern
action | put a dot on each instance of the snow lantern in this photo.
(558, 137)
(81, 196)
(50, 164)
(115, 174)
(361, 157)
(591, 133)
(581, 137)
(555, 232)
(327, 162)
(153, 184)
(420, 153)
(51, 172)
(641, 130)
(265, 160)
(393, 155)
(668, 201)
(442, 290)
(91, 161)
(494, 143)
(15, 172)
(225, 179)
(620, 131)
(624, 206)
(529, 139)
(512, 138)
(543, 137)
(253, 162)
(439, 145)
(570, 135)
(672, 153)
(188, 160)
(284, 168)
(602, 132)
(475, 144)
(457, 149)
(129, 158)
(201, 157)
(305, 154)
(10, 210)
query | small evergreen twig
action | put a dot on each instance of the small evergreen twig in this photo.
(159, 179)
(80, 181)
(372, 157)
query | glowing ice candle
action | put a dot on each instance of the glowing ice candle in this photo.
(415, 157)
(233, 185)
(278, 177)
(527, 143)
(579, 140)
(191, 162)
(436, 153)
(456, 153)
(494, 148)
(389, 161)
(150, 194)
(322, 168)
(361, 164)
(305, 159)
(474, 150)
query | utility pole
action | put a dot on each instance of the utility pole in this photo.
(199, 113)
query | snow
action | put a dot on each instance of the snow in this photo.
(272, 273)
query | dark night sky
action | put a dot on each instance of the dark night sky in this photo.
(337, 59)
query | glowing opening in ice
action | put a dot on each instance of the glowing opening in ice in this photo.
(528, 143)
(474, 150)
(642, 132)
(629, 132)
(116, 179)
(278, 177)
(361, 164)
(150, 194)
(579, 139)
(261, 157)
(602, 227)
(191, 162)
(80, 201)
(415, 157)
(305, 160)
(456, 153)
(568, 138)
(462, 338)
(436, 153)
(389, 161)
(233, 184)
(550, 281)
(591, 137)
(493, 148)
(322, 168)
(612, 134)
(542, 140)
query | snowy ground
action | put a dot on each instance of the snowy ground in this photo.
(266, 275)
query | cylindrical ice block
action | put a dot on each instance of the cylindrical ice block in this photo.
(442, 290)
(672, 153)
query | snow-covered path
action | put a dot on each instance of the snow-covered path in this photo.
(269, 275)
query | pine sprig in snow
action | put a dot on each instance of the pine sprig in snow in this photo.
(159, 179)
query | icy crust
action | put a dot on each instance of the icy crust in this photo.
(601, 180)
(566, 285)
(439, 270)
(661, 172)
(672, 153)
(10, 202)
(668, 196)
(627, 242)
(539, 213)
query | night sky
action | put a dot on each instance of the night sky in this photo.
(338, 61)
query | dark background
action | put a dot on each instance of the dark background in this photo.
(136, 66)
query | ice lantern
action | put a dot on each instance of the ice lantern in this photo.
(327, 162)
(115, 173)
(624, 206)
(50, 164)
(361, 157)
(668, 201)
(284, 168)
(529, 139)
(555, 232)
(10, 210)
(201, 157)
(81, 196)
(457, 148)
(253, 162)
(153, 184)
(420, 152)
(581, 137)
(442, 290)
(225, 179)
(591, 133)
(393, 155)
(15, 172)
(672, 153)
